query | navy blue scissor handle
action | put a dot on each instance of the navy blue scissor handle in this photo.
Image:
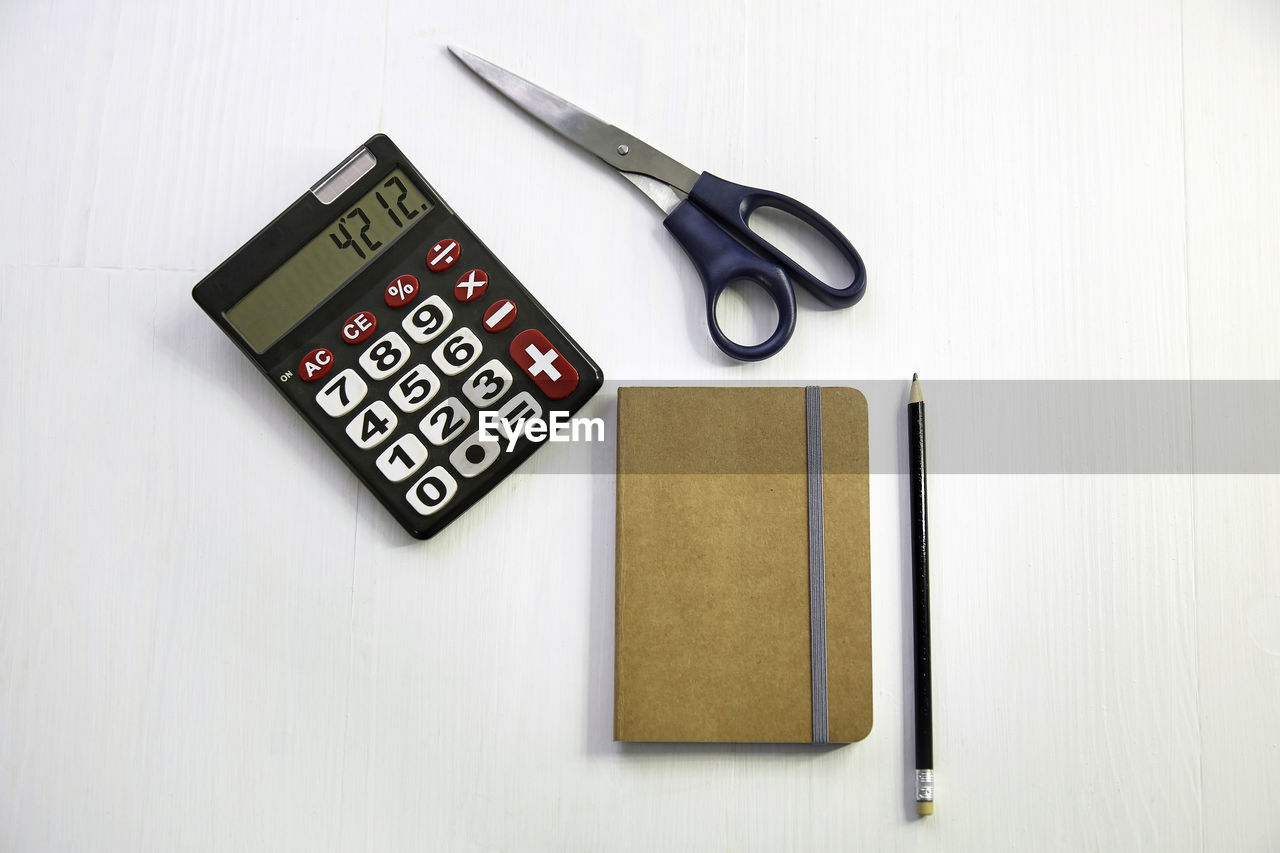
(721, 260)
(712, 227)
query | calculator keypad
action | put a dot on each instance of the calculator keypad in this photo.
(418, 358)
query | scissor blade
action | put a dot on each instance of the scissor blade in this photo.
(616, 147)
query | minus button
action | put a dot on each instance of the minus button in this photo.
(499, 315)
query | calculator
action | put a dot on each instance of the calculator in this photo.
(400, 338)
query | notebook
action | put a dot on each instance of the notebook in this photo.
(714, 625)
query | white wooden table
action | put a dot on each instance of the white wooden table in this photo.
(212, 639)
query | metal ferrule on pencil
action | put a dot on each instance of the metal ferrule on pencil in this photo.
(924, 786)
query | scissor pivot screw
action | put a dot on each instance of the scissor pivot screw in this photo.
(623, 150)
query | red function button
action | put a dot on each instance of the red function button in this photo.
(551, 371)
(471, 285)
(401, 292)
(315, 364)
(443, 255)
(499, 315)
(359, 327)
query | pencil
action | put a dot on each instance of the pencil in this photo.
(920, 599)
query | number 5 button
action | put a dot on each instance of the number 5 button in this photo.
(458, 352)
(415, 389)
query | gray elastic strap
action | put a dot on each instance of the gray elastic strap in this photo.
(817, 564)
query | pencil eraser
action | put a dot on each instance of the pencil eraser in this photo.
(924, 809)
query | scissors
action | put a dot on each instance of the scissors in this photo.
(707, 215)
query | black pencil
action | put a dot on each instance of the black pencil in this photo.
(920, 599)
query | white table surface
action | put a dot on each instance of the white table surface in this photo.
(212, 639)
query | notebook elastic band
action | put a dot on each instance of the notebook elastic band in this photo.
(817, 564)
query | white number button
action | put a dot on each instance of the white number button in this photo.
(517, 410)
(488, 385)
(473, 456)
(443, 423)
(342, 393)
(401, 459)
(387, 355)
(415, 389)
(428, 318)
(371, 427)
(433, 491)
(458, 352)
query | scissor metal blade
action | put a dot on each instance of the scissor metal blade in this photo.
(616, 147)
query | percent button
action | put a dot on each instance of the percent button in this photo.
(401, 292)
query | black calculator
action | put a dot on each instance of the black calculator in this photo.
(404, 342)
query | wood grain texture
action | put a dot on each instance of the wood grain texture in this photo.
(211, 639)
(1232, 97)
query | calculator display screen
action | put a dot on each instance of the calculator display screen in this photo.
(363, 231)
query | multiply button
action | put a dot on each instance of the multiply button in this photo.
(443, 255)
(471, 285)
(550, 371)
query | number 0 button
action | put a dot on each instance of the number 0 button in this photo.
(401, 459)
(433, 491)
(458, 352)
(342, 393)
(371, 427)
(387, 355)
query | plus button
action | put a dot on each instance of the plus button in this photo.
(544, 364)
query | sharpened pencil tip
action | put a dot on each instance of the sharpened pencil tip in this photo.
(917, 396)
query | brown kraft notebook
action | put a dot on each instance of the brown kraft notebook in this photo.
(713, 619)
